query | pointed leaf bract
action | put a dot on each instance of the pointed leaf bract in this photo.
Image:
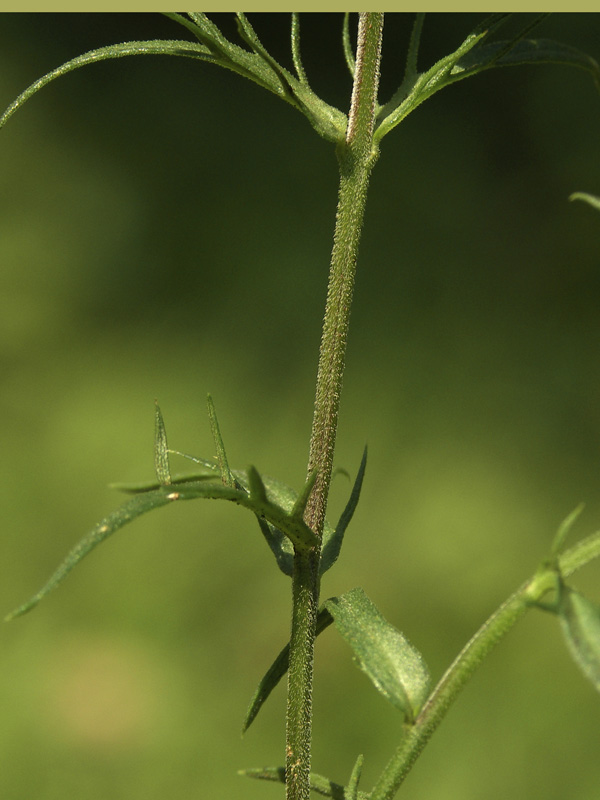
(276, 672)
(161, 450)
(333, 540)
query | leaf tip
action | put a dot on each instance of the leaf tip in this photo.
(161, 448)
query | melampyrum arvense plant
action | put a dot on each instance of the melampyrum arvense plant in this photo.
(303, 542)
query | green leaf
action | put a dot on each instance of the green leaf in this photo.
(580, 621)
(591, 199)
(473, 56)
(161, 449)
(394, 666)
(264, 506)
(276, 672)
(411, 72)
(347, 45)
(564, 529)
(303, 498)
(318, 783)
(415, 89)
(214, 48)
(226, 476)
(352, 788)
(136, 506)
(155, 47)
(332, 541)
(258, 491)
(521, 53)
(280, 546)
(296, 53)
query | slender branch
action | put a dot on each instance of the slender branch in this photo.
(356, 157)
(296, 56)
(470, 657)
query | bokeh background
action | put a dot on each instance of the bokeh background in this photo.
(165, 229)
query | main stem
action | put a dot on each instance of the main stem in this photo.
(356, 156)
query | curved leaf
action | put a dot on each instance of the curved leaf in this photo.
(416, 89)
(214, 48)
(527, 51)
(395, 667)
(473, 56)
(591, 199)
(352, 792)
(580, 621)
(262, 505)
(333, 540)
(276, 672)
(152, 47)
(136, 506)
(564, 529)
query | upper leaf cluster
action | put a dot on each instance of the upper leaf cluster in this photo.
(253, 61)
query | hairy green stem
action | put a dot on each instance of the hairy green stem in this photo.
(470, 657)
(356, 156)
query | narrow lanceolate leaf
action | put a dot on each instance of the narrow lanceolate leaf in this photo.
(347, 45)
(591, 199)
(564, 529)
(213, 47)
(318, 783)
(154, 47)
(264, 507)
(394, 666)
(226, 476)
(475, 55)
(138, 505)
(302, 499)
(352, 788)
(580, 621)
(525, 52)
(416, 89)
(276, 672)
(161, 450)
(332, 543)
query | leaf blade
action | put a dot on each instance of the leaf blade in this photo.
(522, 53)
(394, 666)
(140, 503)
(580, 622)
(134, 48)
(332, 542)
(591, 199)
(133, 508)
(276, 672)
(161, 449)
(226, 475)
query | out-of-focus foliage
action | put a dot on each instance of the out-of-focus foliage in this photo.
(165, 231)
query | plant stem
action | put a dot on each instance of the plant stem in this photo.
(356, 156)
(470, 657)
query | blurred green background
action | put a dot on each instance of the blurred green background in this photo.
(165, 229)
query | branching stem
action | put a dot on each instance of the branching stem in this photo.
(473, 653)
